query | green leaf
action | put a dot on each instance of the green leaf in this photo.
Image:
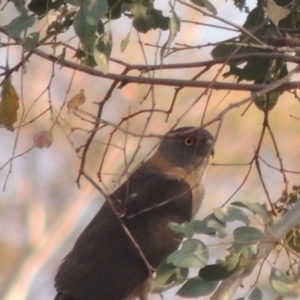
(239, 204)
(221, 270)
(217, 225)
(174, 24)
(9, 105)
(267, 101)
(210, 7)
(31, 41)
(42, 7)
(168, 275)
(19, 24)
(193, 253)
(94, 10)
(201, 227)
(20, 6)
(102, 51)
(222, 215)
(247, 252)
(217, 272)
(125, 42)
(147, 17)
(256, 294)
(256, 208)
(197, 287)
(84, 30)
(207, 4)
(184, 228)
(255, 18)
(247, 234)
(261, 210)
(284, 285)
(222, 51)
(238, 215)
(255, 69)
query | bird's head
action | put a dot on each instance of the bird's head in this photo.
(187, 147)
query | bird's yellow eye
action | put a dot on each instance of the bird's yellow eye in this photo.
(189, 141)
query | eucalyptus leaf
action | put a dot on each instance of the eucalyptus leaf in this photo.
(215, 272)
(260, 209)
(146, 17)
(102, 51)
(174, 24)
(184, 228)
(84, 30)
(19, 24)
(20, 6)
(255, 18)
(286, 286)
(201, 227)
(222, 51)
(197, 287)
(193, 253)
(207, 4)
(247, 234)
(94, 10)
(125, 42)
(213, 222)
(31, 41)
(237, 215)
(210, 7)
(222, 214)
(267, 101)
(168, 275)
(42, 7)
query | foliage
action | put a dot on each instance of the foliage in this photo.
(250, 245)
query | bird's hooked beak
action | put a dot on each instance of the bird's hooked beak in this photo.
(210, 143)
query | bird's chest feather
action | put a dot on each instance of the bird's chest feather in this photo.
(195, 179)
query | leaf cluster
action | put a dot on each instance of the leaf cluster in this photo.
(90, 21)
(272, 24)
(245, 250)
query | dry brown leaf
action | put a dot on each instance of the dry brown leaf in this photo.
(275, 12)
(76, 100)
(9, 105)
(43, 139)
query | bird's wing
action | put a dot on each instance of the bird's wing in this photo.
(105, 263)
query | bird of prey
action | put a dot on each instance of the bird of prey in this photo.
(115, 256)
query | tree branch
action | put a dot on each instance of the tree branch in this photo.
(159, 81)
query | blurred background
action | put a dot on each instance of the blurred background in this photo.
(43, 209)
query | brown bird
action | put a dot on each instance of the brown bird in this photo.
(115, 256)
